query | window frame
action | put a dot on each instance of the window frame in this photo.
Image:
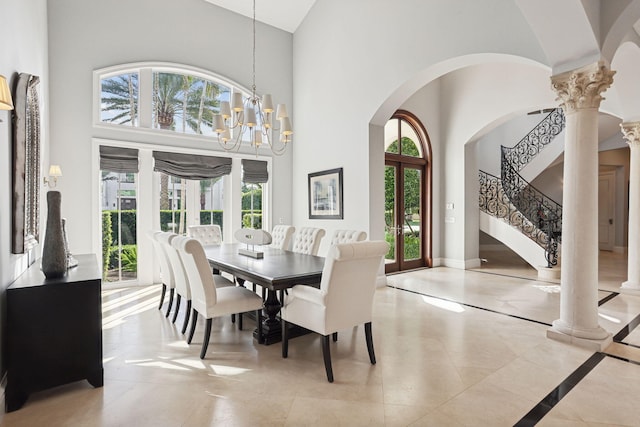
(145, 72)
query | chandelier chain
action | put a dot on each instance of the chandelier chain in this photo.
(252, 116)
(254, 50)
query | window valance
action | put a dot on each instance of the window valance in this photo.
(254, 171)
(117, 159)
(191, 166)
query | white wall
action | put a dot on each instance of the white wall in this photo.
(24, 50)
(84, 36)
(346, 80)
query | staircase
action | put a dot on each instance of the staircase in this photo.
(515, 201)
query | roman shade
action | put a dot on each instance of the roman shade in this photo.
(254, 171)
(117, 159)
(191, 166)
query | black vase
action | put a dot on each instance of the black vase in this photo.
(54, 256)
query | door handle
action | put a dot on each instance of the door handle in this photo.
(610, 221)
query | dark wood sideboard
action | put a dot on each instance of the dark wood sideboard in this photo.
(54, 330)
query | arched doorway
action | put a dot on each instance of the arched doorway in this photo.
(407, 179)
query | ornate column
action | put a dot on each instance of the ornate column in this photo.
(631, 132)
(579, 90)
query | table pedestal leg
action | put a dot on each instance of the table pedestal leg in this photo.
(271, 332)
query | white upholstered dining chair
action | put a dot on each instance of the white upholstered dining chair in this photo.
(209, 300)
(207, 234)
(344, 300)
(179, 279)
(347, 236)
(158, 254)
(307, 240)
(168, 278)
(281, 236)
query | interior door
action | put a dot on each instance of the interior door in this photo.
(606, 210)
(404, 189)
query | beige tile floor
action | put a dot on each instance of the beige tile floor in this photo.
(450, 353)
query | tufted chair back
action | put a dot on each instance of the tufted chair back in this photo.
(206, 234)
(347, 236)
(281, 236)
(307, 240)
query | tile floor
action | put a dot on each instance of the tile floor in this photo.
(454, 348)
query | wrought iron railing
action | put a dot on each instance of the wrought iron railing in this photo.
(514, 200)
(495, 202)
(530, 146)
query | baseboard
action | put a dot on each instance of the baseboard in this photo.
(620, 249)
(462, 264)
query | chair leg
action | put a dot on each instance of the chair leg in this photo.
(240, 321)
(164, 291)
(194, 320)
(186, 316)
(367, 334)
(233, 318)
(285, 339)
(326, 354)
(205, 340)
(335, 336)
(175, 313)
(171, 291)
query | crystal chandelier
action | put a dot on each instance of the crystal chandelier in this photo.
(253, 116)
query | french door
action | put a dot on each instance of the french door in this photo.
(404, 215)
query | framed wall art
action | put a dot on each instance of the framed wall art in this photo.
(26, 164)
(325, 195)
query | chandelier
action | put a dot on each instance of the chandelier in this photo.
(252, 116)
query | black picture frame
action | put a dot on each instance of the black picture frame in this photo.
(325, 195)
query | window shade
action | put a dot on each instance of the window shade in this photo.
(191, 166)
(254, 171)
(117, 159)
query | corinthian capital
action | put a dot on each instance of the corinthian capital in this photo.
(631, 132)
(581, 88)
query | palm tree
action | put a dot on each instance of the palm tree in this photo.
(120, 99)
(167, 99)
(187, 98)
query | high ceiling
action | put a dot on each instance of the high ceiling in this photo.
(283, 14)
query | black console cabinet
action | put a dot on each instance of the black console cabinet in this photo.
(54, 330)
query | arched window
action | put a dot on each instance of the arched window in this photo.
(407, 193)
(161, 96)
(176, 102)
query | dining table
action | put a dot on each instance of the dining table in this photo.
(275, 270)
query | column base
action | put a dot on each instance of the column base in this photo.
(634, 287)
(593, 339)
(546, 273)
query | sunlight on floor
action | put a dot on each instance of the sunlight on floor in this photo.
(445, 305)
(609, 318)
(129, 304)
(550, 289)
(226, 371)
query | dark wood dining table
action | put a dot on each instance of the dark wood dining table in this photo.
(276, 271)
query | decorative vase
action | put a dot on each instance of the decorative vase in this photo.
(54, 256)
